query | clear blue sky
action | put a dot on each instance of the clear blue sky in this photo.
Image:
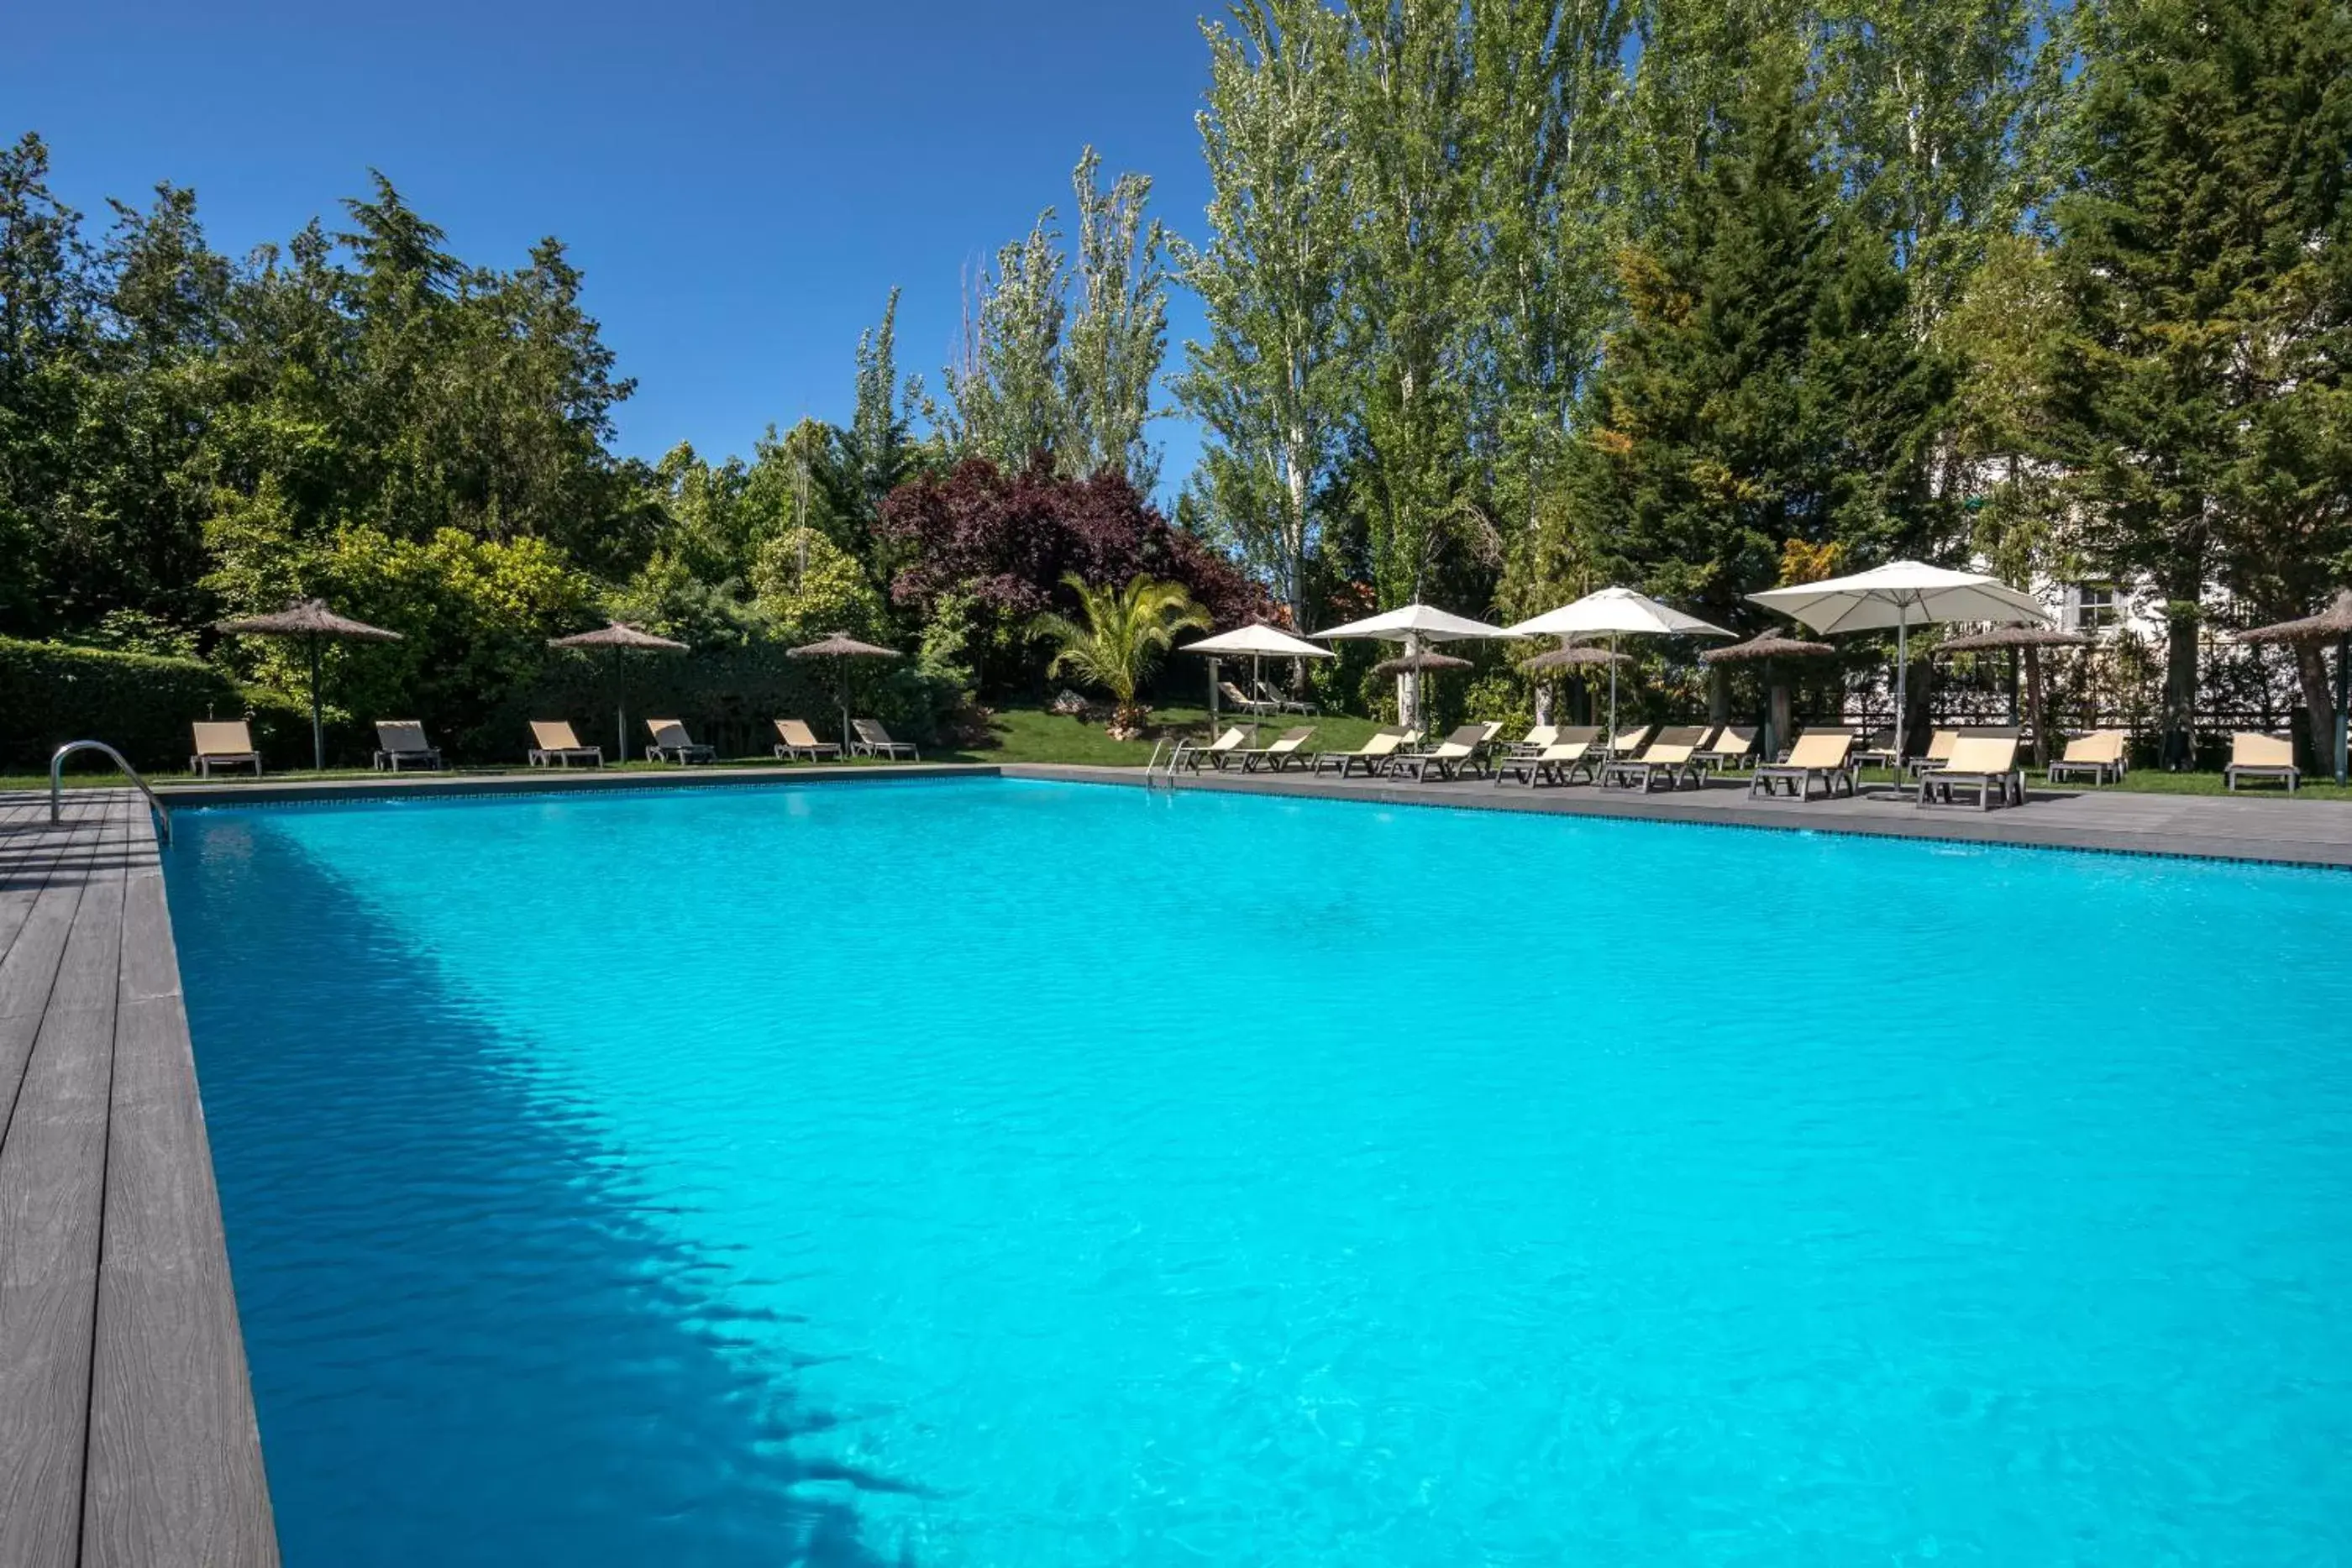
(741, 183)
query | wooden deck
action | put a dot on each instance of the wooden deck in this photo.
(127, 1432)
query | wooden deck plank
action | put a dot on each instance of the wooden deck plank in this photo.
(175, 1473)
(52, 1174)
(30, 966)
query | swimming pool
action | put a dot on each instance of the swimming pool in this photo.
(1003, 1172)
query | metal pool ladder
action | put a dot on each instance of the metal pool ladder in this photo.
(1153, 778)
(56, 778)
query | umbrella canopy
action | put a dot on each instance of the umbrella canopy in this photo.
(1614, 610)
(619, 637)
(1901, 593)
(311, 620)
(2328, 626)
(1259, 641)
(1419, 660)
(842, 647)
(2001, 637)
(1415, 623)
(1898, 594)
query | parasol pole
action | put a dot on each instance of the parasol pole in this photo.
(1213, 697)
(1611, 741)
(841, 668)
(1902, 681)
(2343, 697)
(318, 728)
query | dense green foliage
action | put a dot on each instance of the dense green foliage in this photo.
(1501, 300)
(141, 703)
(1119, 636)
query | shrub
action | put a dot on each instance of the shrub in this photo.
(139, 704)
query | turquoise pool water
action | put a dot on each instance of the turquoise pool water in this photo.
(1003, 1173)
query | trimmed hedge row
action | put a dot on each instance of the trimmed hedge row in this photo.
(138, 703)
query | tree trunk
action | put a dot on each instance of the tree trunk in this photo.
(2311, 670)
(1783, 722)
(2180, 718)
(1543, 702)
(1719, 694)
(2037, 711)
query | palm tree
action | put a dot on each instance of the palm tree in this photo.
(1126, 632)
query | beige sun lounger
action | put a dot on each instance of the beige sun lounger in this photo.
(1574, 751)
(1216, 754)
(670, 743)
(223, 743)
(1730, 747)
(1277, 756)
(555, 743)
(1537, 737)
(1241, 701)
(796, 738)
(873, 740)
(1939, 751)
(1985, 763)
(1824, 752)
(1673, 755)
(2099, 754)
(2256, 756)
(1374, 754)
(1450, 756)
(400, 741)
(1267, 692)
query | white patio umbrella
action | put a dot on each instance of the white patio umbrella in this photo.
(1896, 595)
(1615, 610)
(1260, 641)
(1417, 626)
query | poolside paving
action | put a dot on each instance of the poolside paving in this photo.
(2268, 827)
(127, 1431)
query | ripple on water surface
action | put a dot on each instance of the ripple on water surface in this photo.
(1008, 1172)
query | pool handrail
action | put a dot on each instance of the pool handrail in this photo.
(57, 780)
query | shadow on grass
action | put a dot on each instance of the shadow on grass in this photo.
(467, 1346)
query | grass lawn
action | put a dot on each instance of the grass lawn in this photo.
(1022, 734)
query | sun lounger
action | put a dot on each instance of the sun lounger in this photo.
(1824, 752)
(1985, 763)
(1876, 751)
(1216, 754)
(401, 742)
(796, 738)
(1279, 756)
(670, 743)
(873, 740)
(1242, 702)
(1730, 749)
(2099, 754)
(1627, 742)
(1939, 751)
(1673, 755)
(558, 746)
(2254, 756)
(1450, 758)
(1535, 741)
(1574, 751)
(1372, 756)
(1269, 692)
(223, 743)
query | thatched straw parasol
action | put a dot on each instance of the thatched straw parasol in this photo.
(2333, 625)
(1414, 662)
(1764, 648)
(311, 620)
(1575, 656)
(841, 647)
(2027, 641)
(620, 638)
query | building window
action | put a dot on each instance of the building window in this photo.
(2095, 606)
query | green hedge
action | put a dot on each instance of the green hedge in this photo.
(139, 704)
